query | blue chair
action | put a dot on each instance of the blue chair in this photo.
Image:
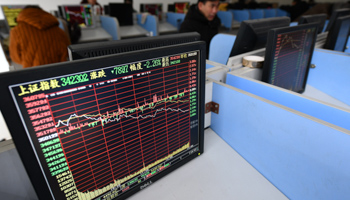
(150, 23)
(111, 25)
(269, 13)
(226, 18)
(293, 24)
(281, 13)
(256, 13)
(220, 47)
(175, 19)
(240, 15)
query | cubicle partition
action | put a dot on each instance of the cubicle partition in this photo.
(303, 156)
(299, 142)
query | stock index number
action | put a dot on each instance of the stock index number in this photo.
(153, 63)
(75, 79)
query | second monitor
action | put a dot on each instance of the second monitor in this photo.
(288, 55)
(252, 34)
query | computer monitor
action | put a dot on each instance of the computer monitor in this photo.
(123, 12)
(10, 14)
(288, 55)
(182, 7)
(335, 14)
(337, 37)
(106, 9)
(171, 7)
(318, 18)
(107, 127)
(88, 50)
(82, 14)
(252, 34)
(153, 9)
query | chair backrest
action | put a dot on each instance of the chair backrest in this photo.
(175, 19)
(220, 47)
(240, 15)
(148, 22)
(256, 13)
(269, 12)
(111, 25)
(281, 13)
(226, 18)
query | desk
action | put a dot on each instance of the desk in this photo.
(220, 173)
(94, 35)
(165, 27)
(132, 31)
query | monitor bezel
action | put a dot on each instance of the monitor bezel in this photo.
(242, 37)
(337, 13)
(113, 47)
(93, 16)
(18, 132)
(270, 50)
(321, 18)
(2, 9)
(333, 34)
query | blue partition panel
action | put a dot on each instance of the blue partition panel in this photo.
(304, 159)
(240, 15)
(281, 13)
(269, 12)
(332, 74)
(292, 100)
(150, 24)
(175, 19)
(110, 24)
(220, 47)
(256, 13)
(347, 48)
(226, 18)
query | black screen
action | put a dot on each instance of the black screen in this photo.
(252, 34)
(288, 55)
(338, 35)
(123, 12)
(107, 127)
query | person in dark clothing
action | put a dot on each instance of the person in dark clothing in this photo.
(202, 18)
(298, 8)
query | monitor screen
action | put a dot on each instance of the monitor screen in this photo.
(335, 14)
(107, 127)
(182, 7)
(338, 36)
(10, 14)
(288, 55)
(82, 14)
(252, 34)
(153, 9)
(88, 50)
(319, 18)
(123, 12)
